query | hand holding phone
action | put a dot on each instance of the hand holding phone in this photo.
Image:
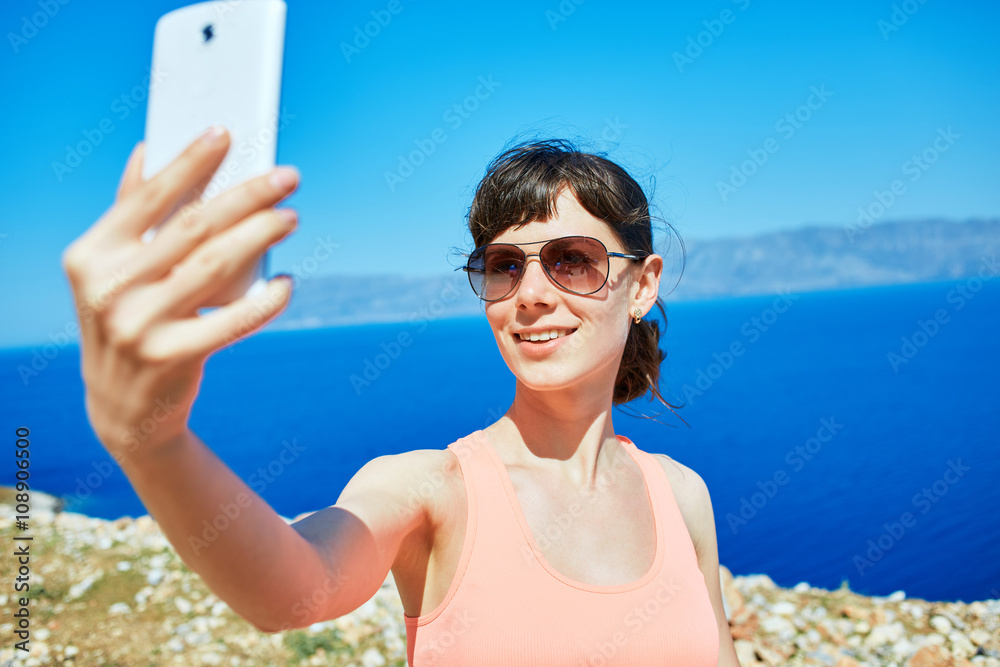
(218, 63)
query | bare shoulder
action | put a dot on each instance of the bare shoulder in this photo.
(418, 482)
(692, 496)
(415, 475)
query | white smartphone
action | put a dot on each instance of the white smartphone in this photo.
(218, 63)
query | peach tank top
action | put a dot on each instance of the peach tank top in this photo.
(507, 606)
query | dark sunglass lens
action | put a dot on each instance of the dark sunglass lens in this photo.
(498, 269)
(578, 264)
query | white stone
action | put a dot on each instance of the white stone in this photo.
(759, 581)
(898, 596)
(801, 587)
(783, 608)
(118, 608)
(41, 634)
(197, 638)
(154, 577)
(183, 605)
(372, 658)
(979, 636)
(903, 649)
(888, 633)
(78, 589)
(778, 625)
(961, 646)
(941, 624)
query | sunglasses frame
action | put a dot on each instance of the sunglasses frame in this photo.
(469, 270)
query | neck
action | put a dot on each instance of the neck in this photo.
(566, 434)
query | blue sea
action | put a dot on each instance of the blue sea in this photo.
(844, 435)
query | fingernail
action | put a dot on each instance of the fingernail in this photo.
(288, 215)
(213, 134)
(284, 178)
(283, 283)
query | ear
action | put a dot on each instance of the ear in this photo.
(646, 285)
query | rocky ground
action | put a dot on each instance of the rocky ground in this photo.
(115, 593)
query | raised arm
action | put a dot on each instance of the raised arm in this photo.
(143, 351)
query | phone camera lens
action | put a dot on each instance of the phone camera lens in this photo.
(208, 32)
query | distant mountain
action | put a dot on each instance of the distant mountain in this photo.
(331, 300)
(827, 257)
(799, 260)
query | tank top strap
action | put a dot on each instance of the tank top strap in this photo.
(680, 553)
(489, 499)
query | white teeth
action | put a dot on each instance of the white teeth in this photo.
(544, 335)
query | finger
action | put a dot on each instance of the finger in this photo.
(200, 221)
(220, 260)
(132, 176)
(154, 200)
(200, 336)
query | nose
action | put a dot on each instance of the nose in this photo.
(535, 287)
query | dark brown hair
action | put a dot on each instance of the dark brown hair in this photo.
(522, 185)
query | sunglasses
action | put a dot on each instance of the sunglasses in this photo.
(577, 264)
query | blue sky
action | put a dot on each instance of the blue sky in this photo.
(631, 79)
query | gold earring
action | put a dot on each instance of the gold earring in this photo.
(637, 314)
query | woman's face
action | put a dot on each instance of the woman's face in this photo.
(593, 328)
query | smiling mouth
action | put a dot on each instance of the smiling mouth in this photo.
(543, 336)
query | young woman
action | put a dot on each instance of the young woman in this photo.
(543, 539)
